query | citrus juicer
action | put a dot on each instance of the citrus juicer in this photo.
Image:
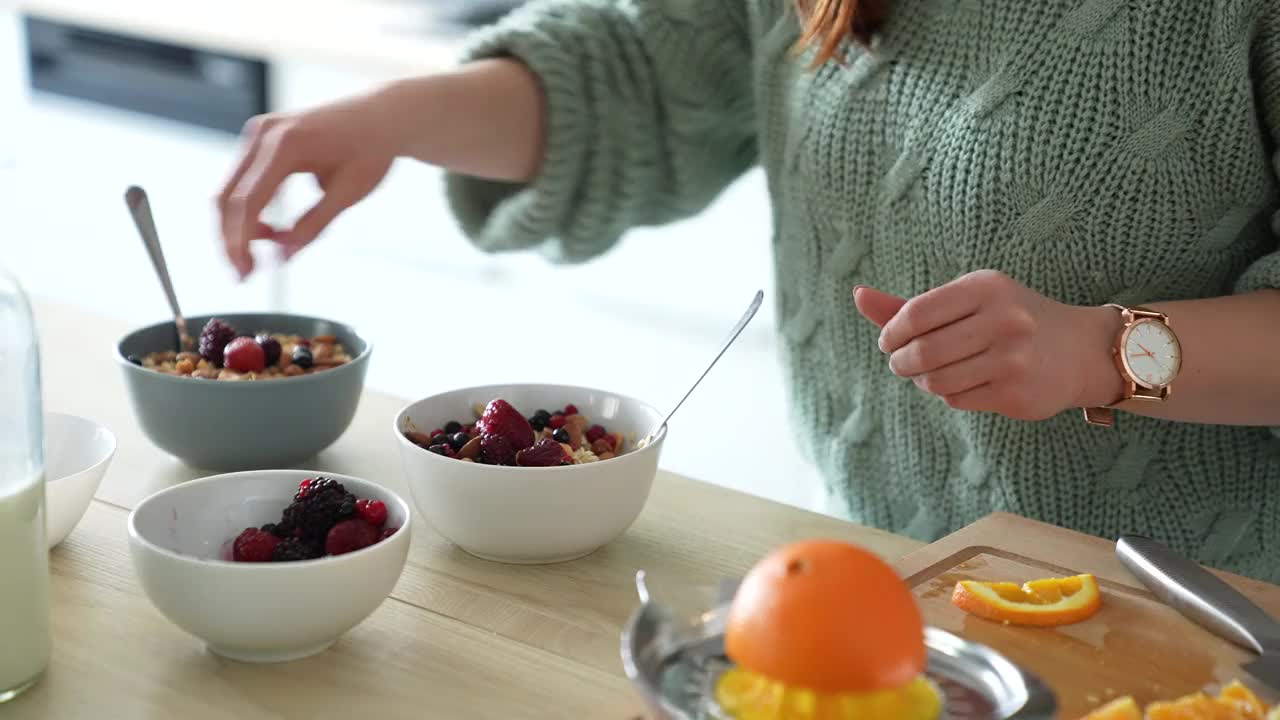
(675, 658)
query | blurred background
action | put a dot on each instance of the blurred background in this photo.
(98, 95)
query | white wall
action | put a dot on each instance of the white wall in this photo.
(643, 320)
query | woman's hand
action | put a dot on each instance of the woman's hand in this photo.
(345, 146)
(984, 342)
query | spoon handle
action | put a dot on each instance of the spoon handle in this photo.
(733, 335)
(139, 207)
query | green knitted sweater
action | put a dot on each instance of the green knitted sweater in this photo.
(1095, 150)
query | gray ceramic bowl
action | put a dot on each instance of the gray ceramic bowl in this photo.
(227, 426)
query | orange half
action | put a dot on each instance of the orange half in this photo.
(1051, 601)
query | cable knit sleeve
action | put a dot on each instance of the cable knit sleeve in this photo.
(1265, 272)
(650, 109)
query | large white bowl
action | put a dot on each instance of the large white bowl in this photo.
(526, 515)
(77, 453)
(257, 612)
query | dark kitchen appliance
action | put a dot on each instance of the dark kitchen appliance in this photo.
(209, 89)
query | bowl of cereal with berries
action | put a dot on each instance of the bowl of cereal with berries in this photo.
(529, 474)
(254, 391)
(249, 562)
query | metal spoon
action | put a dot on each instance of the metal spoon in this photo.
(733, 335)
(136, 198)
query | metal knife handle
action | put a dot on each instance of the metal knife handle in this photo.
(1198, 594)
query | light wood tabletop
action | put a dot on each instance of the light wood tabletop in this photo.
(458, 638)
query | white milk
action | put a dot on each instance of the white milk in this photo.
(24, 584)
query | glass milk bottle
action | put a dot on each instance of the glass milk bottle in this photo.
(24, 554)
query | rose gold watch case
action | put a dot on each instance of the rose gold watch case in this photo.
(1131, 376)
(1134, 387)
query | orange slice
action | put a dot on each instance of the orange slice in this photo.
(1052, 601)
(1125, 708)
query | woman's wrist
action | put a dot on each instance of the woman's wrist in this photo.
(1094, 335)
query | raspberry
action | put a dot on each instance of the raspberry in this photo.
(570, 409)
(254, 545)
(244, 355)
(349, 536)
(595, 432)
(387, 532)
(293, 549)
(497, 450)
(544, 453)
(214, 339)
(373, 511)
(556, 422)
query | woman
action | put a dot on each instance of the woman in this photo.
(960, 189)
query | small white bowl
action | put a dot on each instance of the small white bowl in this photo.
(525, 515)
(77, 453)
(258, 612)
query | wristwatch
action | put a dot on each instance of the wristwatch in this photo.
(1147, 354)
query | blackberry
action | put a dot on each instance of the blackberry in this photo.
(213, 340)
(293, 549)
(347, 509)
(270, 528)
(324, 503)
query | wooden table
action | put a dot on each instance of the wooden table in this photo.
(459, 638)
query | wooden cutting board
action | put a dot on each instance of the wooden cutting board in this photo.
(1135, 645)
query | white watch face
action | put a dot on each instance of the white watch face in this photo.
(1152, 353)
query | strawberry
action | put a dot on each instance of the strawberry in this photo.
(349, 536)
(254, 545)
(500, 418)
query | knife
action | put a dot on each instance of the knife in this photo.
(1206, 599)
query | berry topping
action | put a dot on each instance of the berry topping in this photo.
(292, 549)
(458, 440)
(500, 418)
(349, 536)
(537, 422)
(214, 339)
(374, 512)
(387, 532)
(570, 409)
(270, 348)
(244, 355)
(561, 435)
(544, 453)
(497, 449)
(303, 488)
(324, 503)
(436, 435)
(254, 545)
(556, 422)
(595, 432)
(543, 414)
(302, 357)
(453, 426)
